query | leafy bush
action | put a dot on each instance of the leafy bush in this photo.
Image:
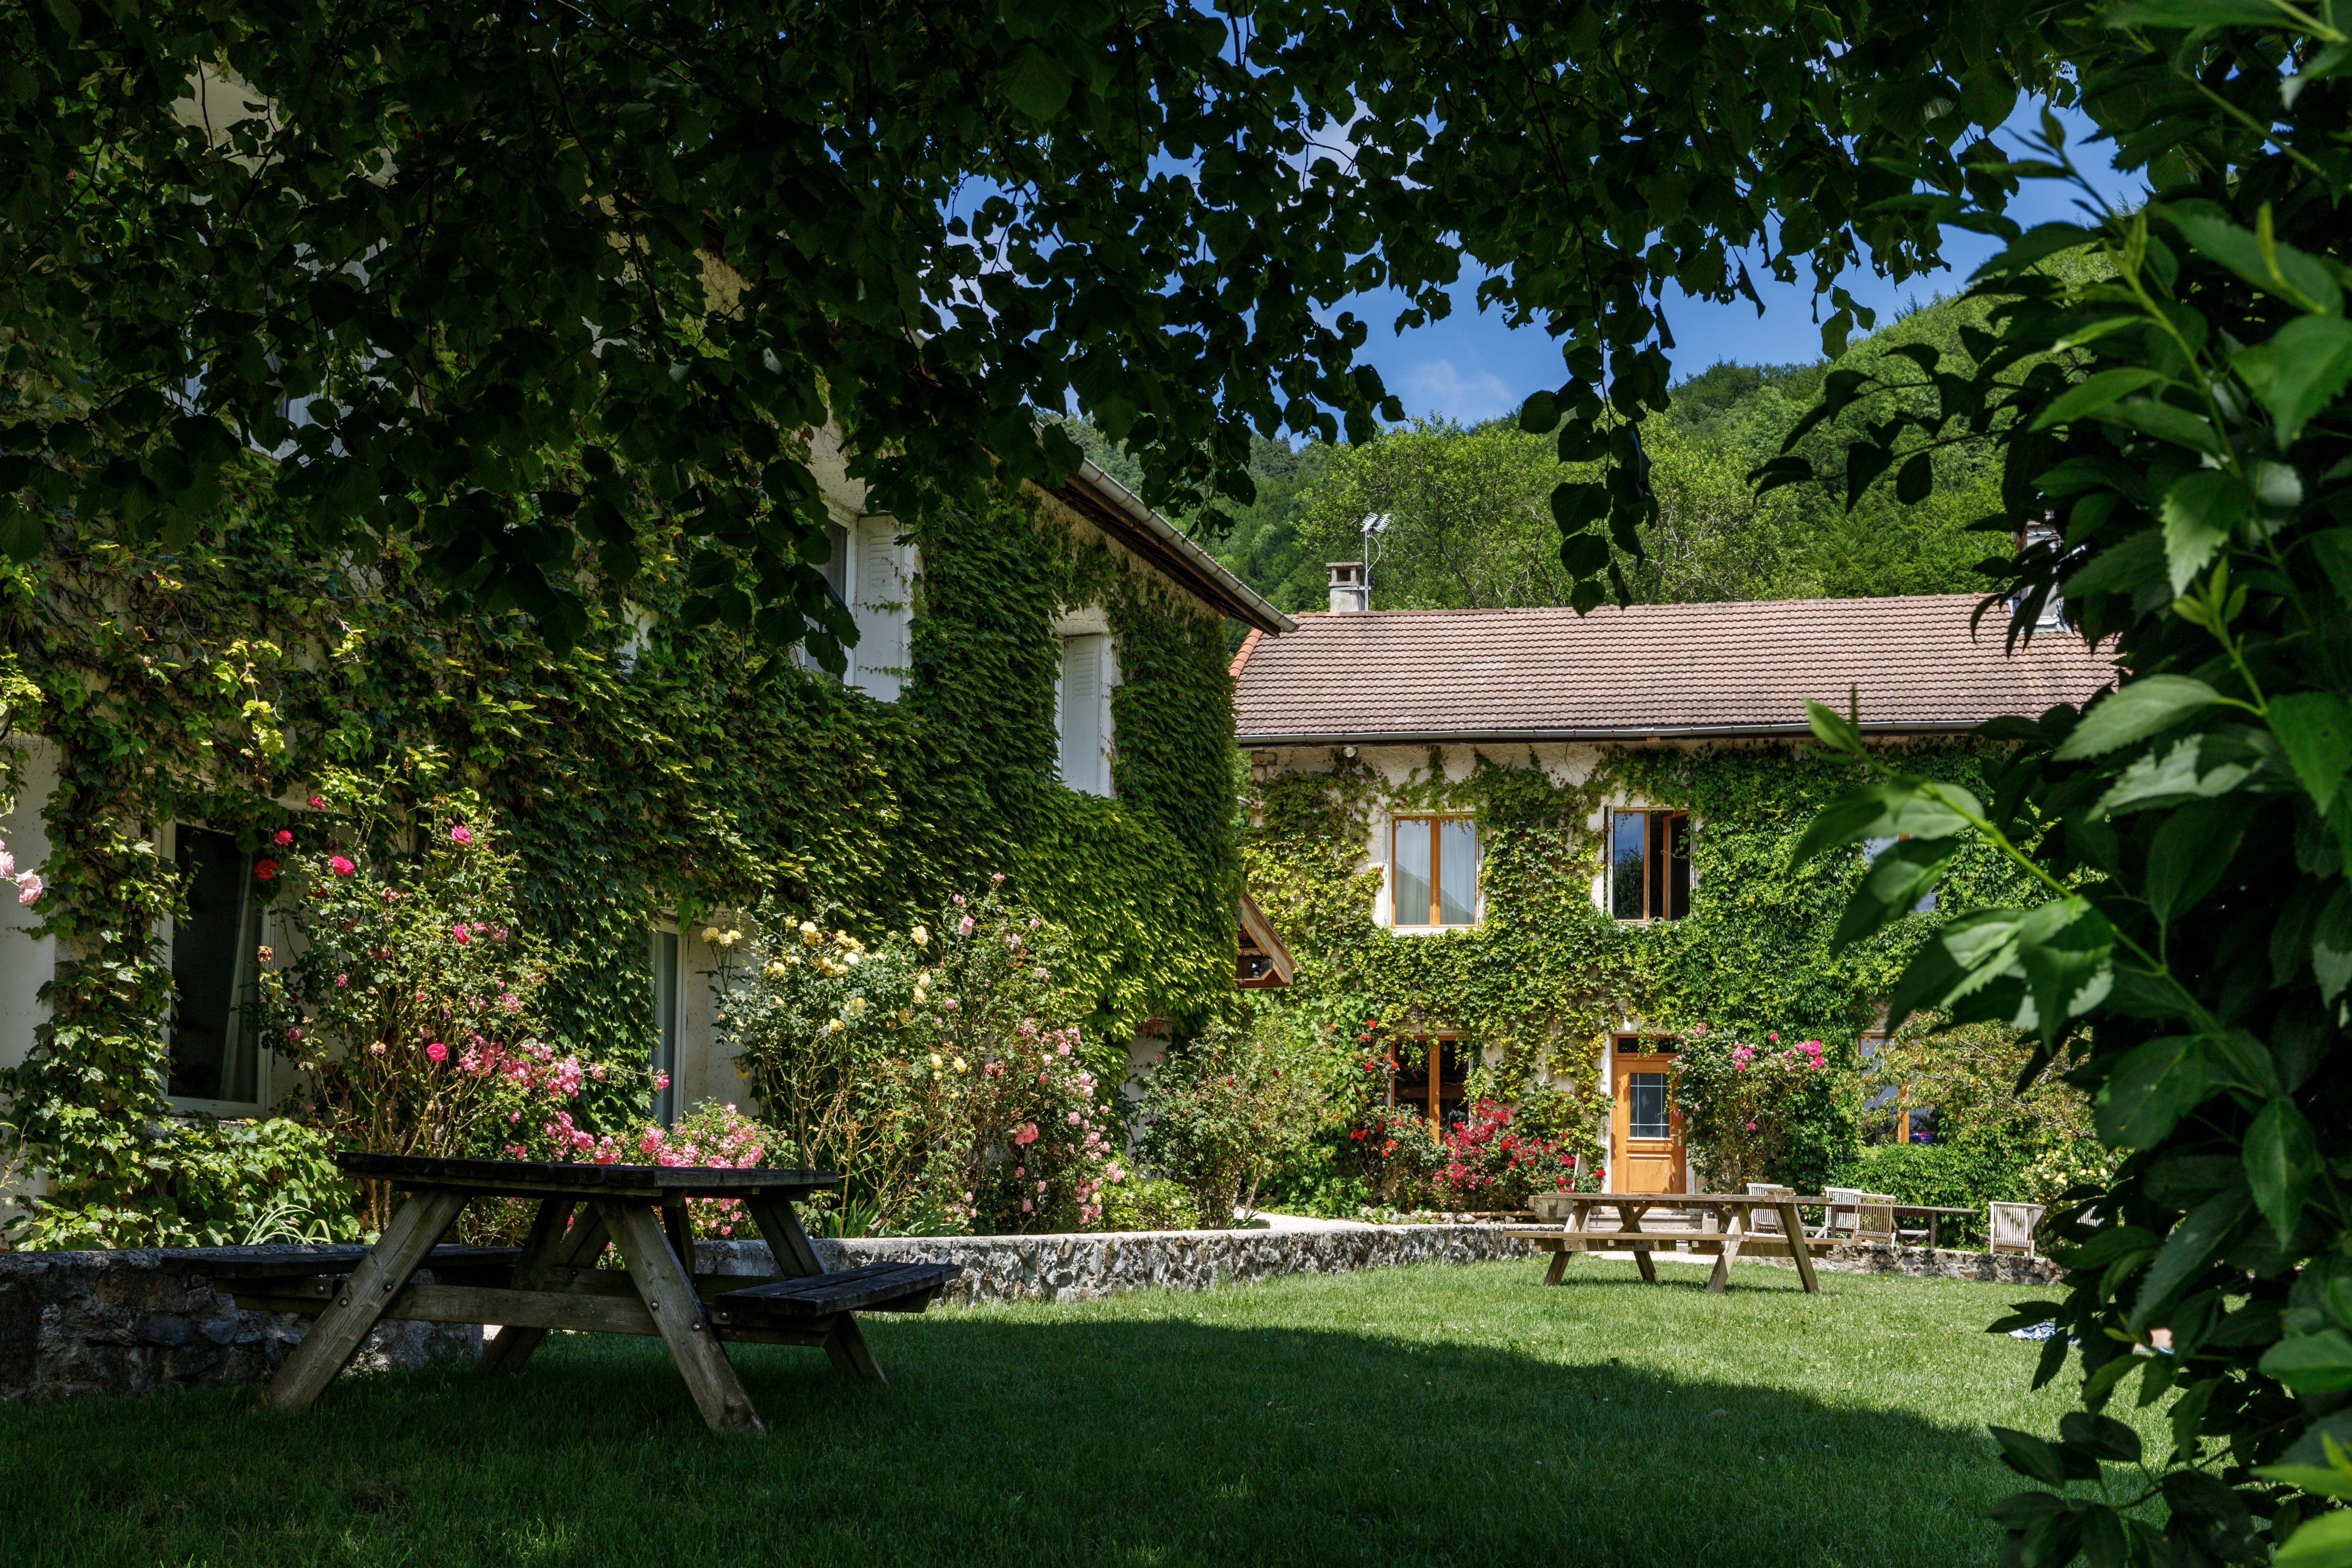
(1764, 1112)
(408, 1002)
(1148, 1203)
(1222, 1112)
(938, 1072)
(1494, 1161)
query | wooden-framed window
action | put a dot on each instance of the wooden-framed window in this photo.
(1434, 862)
(219, 1062)
(1437, 1085)
(1649, 865)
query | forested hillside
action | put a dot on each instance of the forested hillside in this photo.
(1469, 522)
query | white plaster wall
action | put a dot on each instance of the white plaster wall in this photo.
(706, 1068)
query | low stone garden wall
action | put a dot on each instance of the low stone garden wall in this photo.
(78, 1323)
(75, 1323)
(1081, 1267)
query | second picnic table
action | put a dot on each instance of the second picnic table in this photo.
(1736, 1236)
(551, 1282)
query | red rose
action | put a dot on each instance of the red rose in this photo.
(265, 868)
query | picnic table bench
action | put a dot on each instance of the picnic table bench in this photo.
(552, 1281)
(1736, 1235)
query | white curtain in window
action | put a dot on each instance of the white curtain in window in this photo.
(1457, 871)
(1413, 844)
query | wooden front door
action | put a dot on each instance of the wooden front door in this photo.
(1645, 1130)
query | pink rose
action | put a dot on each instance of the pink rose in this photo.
(1027, 1135)
(281, 838)
(461, 834)
(29, 887)
(1074, 1118)
(343, 979)
(461, 933)
(342, 866)
(437, 1052)
(318, 803)
(963, 926)
(995, 876)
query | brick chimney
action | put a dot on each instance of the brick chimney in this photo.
(1348, 594)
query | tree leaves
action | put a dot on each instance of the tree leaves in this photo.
(2318, 1363)
(2315, 729)
(2095, 393)
(2150, 1092)
(2136, 711)
(2302, 369)
(2281, 1161)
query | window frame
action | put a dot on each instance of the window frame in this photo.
(1433, 819)
(244, 975)
(1436, 1044)
(665, 1054)
(1657, 865)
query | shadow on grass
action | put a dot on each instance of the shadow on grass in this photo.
(1441, 1424)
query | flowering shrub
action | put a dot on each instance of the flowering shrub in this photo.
(936, 1070)
(1753, 1112)
(1222, 1111)
(1493, 1162)
(409, 1000)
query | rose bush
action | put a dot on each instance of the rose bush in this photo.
(1768, 1112)
(938, 1071)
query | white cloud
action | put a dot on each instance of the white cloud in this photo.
(1439, 387)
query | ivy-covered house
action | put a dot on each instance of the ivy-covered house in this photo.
(1540, 846)
(1039, 690)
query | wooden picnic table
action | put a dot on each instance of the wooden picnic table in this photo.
(551, 1282)
(1736, 1237)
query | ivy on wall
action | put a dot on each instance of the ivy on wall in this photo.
(683, 770)
(1545, 976)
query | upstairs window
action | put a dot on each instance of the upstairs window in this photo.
(1435, 860)
(1649, 865)
(217, 1056)
(1082, 711)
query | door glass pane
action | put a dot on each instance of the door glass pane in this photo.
(1678, 866)
(1457, 871)
(1645, 1101)
(212, 1054)
(1413, 873)
(666, 1024)
(1625, 840)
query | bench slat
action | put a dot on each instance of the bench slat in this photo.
(850, 1290)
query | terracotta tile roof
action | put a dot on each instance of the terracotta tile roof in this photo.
(1249, 646)
(1718, 668)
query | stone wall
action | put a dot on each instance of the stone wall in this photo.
(77, 1323)
(1081, 1267)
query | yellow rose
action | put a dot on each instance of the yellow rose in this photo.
(856, 1006)
(711, 933)
(832, 1024)
(935, 1059)
(960, 1065)
(922, 938)
(919, 995)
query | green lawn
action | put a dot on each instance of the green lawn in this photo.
(1434, 1415)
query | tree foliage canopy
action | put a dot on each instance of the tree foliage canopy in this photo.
(454, 268)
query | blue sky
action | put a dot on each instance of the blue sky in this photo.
(1470, 366)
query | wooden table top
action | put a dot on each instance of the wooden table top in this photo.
(532, 1178)
(1750, 1200)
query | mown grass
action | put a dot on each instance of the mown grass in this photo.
(1432, 1415)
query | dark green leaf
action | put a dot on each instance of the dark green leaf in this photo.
(2201, 1234)
(2030, 1457)
(2151, 1091)
(2103, 1435)
(2300, 278)
(1916, 479)
(2136, 711)
(2166, 423)
(2190, 852)
(2281, 1157)
(1036, 83)
(2315, 728)
(1889, 810)
(2321, 1542)
(1902, 874)
(2299, 372)
(1834, 729)
(2194, 14)
(2104, 1543)
(1540, 415)
(2095, 392)
(1577, 507)
(2312, 1363)
(1583, 554)
(2200, 512)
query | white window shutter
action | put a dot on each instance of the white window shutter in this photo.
(880, 603)
(1083, 701)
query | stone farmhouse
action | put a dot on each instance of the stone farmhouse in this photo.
(1413, 704)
